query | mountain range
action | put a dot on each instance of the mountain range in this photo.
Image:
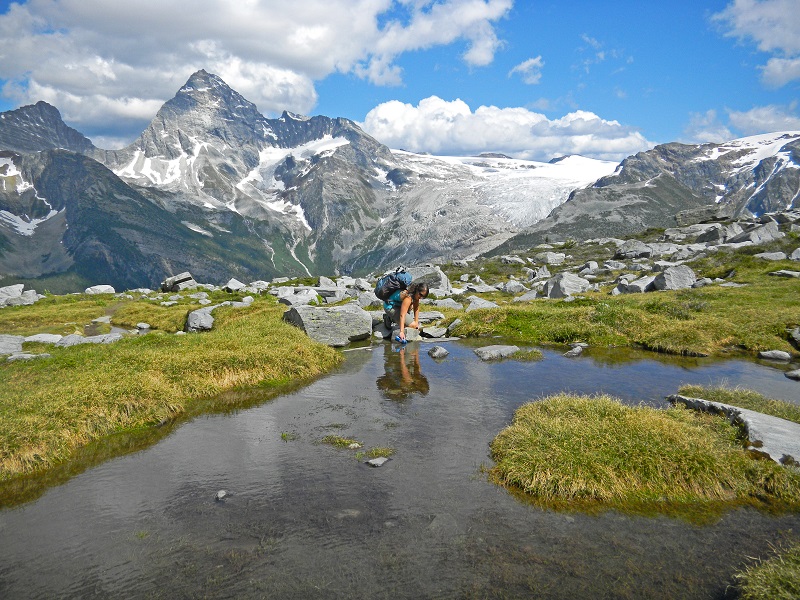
(213, 187)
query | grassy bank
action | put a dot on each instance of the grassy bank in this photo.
(52, 407)
(596, 451)
(711, 320)
(777, 578)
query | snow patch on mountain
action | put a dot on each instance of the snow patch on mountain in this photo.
(521, 191)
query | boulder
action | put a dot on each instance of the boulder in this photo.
(512, 260)
(770, 255)
(433, 276)
(576, 351)
(615, 265)
(785, 273)
(234, 285)
(100, 289)
(176, 283)
(633, 249)
(476, 303)
(480, 288)
(438, 352)
(675, 278)
(760, 234)
(551, 258)
(775, 355)
(540, 273)
(76, 340)
(200, 320)
(44, 338)
(445, 303)
(335, 326)
(434, 332)
(495, 352)
(368, 300)
(793, 374)
(563, 285)
(11, 344)
(411, 334)
(300, 298)
(11, 291)
(27, 298)
(795, 255)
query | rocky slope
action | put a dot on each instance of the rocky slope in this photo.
(752, 175)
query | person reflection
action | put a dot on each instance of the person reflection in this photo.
(403, 376)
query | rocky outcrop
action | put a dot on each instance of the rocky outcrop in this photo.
(336, 326)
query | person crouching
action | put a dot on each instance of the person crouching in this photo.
(402, 308)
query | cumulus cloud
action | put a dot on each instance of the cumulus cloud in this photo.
(773, 26)
(119, 59)
(766, 119)
(711, 127)
(452, 127)
(530, 70)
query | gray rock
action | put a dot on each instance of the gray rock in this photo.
(793, 374)
(438, 352)
(775, 355)
(563, 285)
(26, 356)
(615, 265)
(539, 273)
(675, 278)
(445, 303)
(326, 282)
(480, 288)
(760, 234)
(433, 276)
(11, 344)
(369, 299)
(377, 462)
(26, 298)
(336, 326)
(495, 352)
(576, 351)
(106, 319)
(220, 495)
(434, 332)
(795, 255)
(176, 283)
(785, 273)
(513, 287)
(429, 316)
(411, 334)
(452, 326)
(512, 260)
(527, 296)
(11, 291)
(76, 340)
(331, 295)
(44, 338)
(100, 289)
(770, 255)
(200, 319)
(302, 297)
(233, 285)
(633, 249)
(551, 258)
(476, 303)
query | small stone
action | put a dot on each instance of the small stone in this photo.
(377, 462)
(775, 355)
(793, 374)
(576, 351)
(220, 495)
(437, 352)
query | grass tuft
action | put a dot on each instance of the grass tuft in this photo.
(777, 578)
(572, 448)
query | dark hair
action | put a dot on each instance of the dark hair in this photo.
(420, 287)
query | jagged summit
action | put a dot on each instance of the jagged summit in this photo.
(38, 127)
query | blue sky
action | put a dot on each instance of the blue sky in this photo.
(533, 79)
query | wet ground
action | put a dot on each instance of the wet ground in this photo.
(303, 519)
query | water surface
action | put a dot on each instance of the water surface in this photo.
(306, 520)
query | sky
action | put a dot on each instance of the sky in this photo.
(531, 79)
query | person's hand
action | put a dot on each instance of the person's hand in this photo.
(414, 325)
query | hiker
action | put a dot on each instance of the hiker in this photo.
(402, 304)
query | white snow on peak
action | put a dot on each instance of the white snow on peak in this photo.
(11, 180)
(522, 191)
(11, 176)
(756, 148)
(197, 228)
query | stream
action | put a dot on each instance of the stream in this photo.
(304, 519)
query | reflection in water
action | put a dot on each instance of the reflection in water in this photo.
(306, 520)
(403, 376)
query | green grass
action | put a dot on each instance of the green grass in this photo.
(597, 452)
(339, 442)
(777, 578)
(86, 393)
(380, 452)
(744, 399)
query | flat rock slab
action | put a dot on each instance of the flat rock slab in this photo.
(75, 339)
(777, 438)
(378, 462)
(495, 352)
(44, 338)
(11, 344)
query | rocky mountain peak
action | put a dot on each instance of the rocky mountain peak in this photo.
(38, 127)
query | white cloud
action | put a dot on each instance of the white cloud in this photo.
(706, 127)
(773, 26)
(131, 55)
(530, 70)
(766, 119)
(709, 126)
(451, 127)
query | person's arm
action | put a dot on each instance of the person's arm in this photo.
(415, 323)
(405, 304)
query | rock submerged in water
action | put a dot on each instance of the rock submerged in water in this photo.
(437, 352)
(495, 352)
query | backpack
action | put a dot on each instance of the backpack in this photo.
(390, 283)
